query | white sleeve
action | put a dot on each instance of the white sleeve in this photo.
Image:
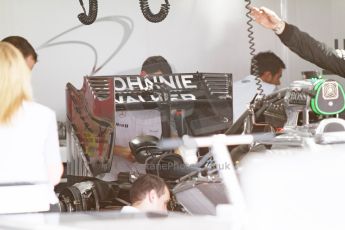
(52, 152)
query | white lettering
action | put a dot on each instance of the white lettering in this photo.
(120, 100)
(174, 97)
(185, 82)
(148, 83)
(169, 83)
(178, 83)
(136, 82)
(153, 98)
(120, 84)
(132, 83)
(141, 98)
(131, 99)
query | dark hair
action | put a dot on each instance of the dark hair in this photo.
(154, 64)
(145, 184)
(267, 61)
(23, 45)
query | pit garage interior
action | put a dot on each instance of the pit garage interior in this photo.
(274, 163)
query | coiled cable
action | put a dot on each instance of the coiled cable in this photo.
(88, 19)
(254, 63)
(160, 16)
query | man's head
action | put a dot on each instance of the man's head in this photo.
(270, 67)
(155, 65)
(25, 48)
(149, 193)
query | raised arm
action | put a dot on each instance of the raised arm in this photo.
(300, 42)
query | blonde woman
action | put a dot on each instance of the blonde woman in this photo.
(30, 162)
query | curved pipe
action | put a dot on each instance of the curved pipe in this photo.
(160, 16)
(88, 19)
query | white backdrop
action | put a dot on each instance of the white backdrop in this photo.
(197, 35)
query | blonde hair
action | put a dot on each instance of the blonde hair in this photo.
(15, 81)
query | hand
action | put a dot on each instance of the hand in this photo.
(265, 17)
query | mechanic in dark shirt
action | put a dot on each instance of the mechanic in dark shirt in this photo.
(301, 42)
